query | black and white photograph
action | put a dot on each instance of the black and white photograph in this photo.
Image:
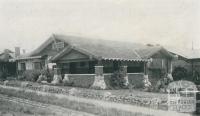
(99, 57)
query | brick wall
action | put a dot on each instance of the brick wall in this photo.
(81, 80)
(86, 80)
(107, 79)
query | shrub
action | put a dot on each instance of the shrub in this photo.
(194, 76)
(3, 75)
(179, 73)
(117, 79)
(49, 74)
(31, 75)
(21, 77)
(163, 73)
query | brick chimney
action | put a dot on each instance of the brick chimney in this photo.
(24, 51)
(17, 51)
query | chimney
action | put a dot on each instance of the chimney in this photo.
(150, 45)
(24, 51)
(6, 51)
(17, 51)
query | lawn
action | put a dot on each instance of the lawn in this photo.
(13, 109)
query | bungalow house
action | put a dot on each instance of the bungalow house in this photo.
(82, 58)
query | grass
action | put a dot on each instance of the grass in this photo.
(21, 110)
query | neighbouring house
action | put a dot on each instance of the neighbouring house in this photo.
(87, 62)
(7, 67)
(187, 58)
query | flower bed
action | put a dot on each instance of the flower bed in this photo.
(152, 102)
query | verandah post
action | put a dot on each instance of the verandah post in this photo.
(146, 82)
(169, 70)
(57, 78)
(99, 82)
(123, 68)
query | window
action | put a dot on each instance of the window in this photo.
(82, 64)
(23, 66)
(58, 45)
(37, 65)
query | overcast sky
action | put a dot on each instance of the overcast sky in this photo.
(27, 23)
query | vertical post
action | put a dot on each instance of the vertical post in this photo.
(17, 69)
(145, 68)
(99, 82)
(99, 70)
(170, 67)
(57, 78)
(162, 63)
(124, 69)
(192, 66)
(169, 70)
(146, 82)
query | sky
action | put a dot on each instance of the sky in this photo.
(28, 23)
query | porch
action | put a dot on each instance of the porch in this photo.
(88, 73)
(109, 66)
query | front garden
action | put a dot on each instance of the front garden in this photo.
(119, 93)
(125, 96)
(103, 103)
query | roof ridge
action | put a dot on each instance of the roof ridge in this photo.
(98, 39)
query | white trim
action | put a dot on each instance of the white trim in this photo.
(98, 66)
(80, 74)
(12, 60)
(142, 60)
(107, 73)
(135, 73)
(124, 66)
(103, 74)
(24, 58)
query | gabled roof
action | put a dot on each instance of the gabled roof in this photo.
(41, 47)
(103, 49)
(147, 53)
(185, 53)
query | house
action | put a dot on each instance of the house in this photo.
(82, 58)
(187, 58)
(7, 67)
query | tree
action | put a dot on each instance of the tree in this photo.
(179, 73)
